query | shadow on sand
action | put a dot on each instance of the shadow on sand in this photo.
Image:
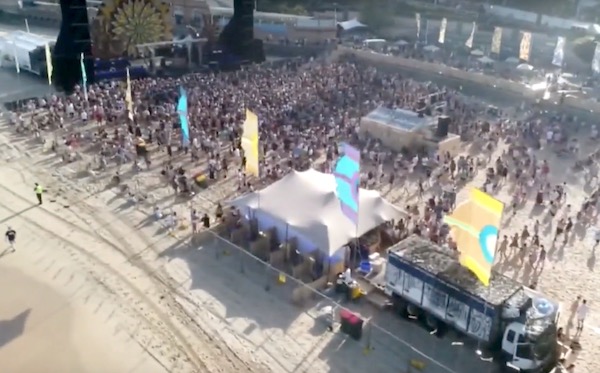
(245, 295)
(11, 329)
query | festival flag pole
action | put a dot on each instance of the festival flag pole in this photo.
(128, 97)
(83, 77)
(347, 179)
(49, 66)
(17, 65)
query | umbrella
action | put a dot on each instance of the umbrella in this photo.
(525, 67)
(512, 60)
(476, 52)
(431, 48)
(485, 59)
(402, 42)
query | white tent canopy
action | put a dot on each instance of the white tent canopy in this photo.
(351, 24)
(525, 67)
(304, 205)
(485, 59)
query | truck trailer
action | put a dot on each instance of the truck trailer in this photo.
(518, 325)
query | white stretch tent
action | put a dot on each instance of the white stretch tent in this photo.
(352, 24)
(304, 205)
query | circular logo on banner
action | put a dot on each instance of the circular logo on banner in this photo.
(487, 242)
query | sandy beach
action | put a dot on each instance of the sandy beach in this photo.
(94, 273)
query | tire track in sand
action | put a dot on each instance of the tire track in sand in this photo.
(220, 349)
(167, 330)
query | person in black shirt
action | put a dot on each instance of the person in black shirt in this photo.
(11, 237)
(206, 221)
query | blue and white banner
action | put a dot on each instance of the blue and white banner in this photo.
(559, 52)
(182, 110)
(596, 60)
(83, 76)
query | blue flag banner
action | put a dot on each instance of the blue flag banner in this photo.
(347, 179)
(83, 76)
(182, 110)
(559, 52)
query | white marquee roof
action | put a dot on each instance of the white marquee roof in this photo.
(307, 201)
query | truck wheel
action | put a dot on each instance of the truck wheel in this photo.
(413, 311)
(432, 322)
(400, 307)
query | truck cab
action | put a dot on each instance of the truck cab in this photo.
(530, 344)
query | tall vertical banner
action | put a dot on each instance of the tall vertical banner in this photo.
(128, 97)
(418, 18)
(347, 181)
(475, 226)
(596, 60)
(469, 42)
(49, 67)
(17, 64)
(525, 48)
(250, 144)
(443, 25)
(497, 40)
(182, 110)
(83, 77)
(559, 52)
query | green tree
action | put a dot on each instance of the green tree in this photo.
(584, 48)
(376, 16)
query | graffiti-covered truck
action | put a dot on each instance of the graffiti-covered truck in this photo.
(518, 325)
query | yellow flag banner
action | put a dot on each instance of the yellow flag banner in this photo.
(475, 225)
(49, 67)
(497, 40)
(469, 42)
(443, 26)
(250, 143)
(128, 98)
(525, 48)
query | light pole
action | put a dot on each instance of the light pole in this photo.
(335, 6)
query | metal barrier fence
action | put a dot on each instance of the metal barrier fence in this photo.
(380, 349)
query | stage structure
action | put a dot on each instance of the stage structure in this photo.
(237, 38)
(121, 25)
(72, 54)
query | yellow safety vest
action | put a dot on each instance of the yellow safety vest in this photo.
(39, 189)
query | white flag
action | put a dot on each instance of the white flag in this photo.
(418, 17)
(559, 52)
(497, 40)
(442, 37)
(128, 98)
(596, 60)
(469, 42)
(17, 66)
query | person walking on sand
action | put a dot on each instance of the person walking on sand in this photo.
(11, 237)
(38, 192)
(582, 311)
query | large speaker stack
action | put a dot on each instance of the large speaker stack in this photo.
(442, 126)
(238, 35)
(73, 40)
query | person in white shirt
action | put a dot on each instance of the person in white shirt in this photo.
(582, 311)
(70, 109)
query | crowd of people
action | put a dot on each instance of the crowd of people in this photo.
(306, 109)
